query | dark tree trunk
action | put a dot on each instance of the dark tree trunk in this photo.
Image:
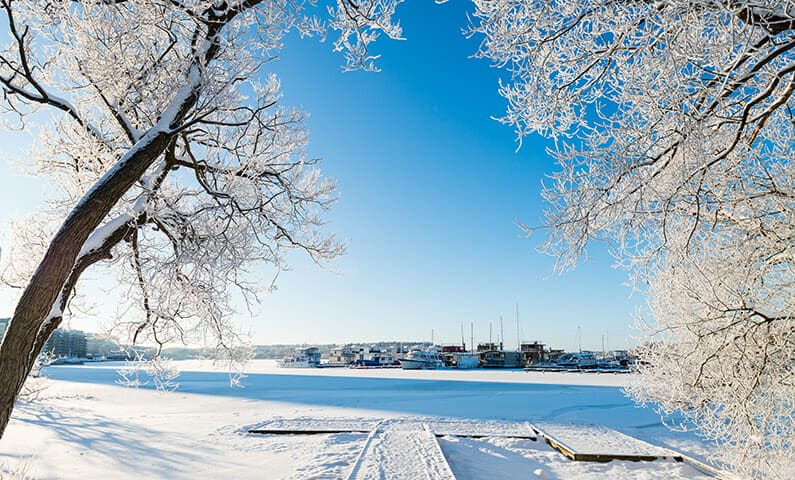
(57, 272)
(27, 332)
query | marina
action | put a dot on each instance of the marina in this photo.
(530, 357)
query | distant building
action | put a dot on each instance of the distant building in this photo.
(3, 326)
(67, 343)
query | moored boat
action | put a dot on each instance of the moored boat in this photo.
(421, 359)
(376, 358)
(501, 359)
(467, 361)
(579, 361)
(302, 358)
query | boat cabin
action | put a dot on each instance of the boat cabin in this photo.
(501, 359)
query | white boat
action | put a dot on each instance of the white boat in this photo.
(421, 359)
(580, 361)
(376, 358)
(302, 358)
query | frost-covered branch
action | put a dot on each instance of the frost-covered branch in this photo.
(675, 134)
(173, 164)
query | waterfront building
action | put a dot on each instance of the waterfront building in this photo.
(67, 343)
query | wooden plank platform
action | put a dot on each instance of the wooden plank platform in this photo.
(591, 443)
(401, 450)
(482, 428)
(312, 426)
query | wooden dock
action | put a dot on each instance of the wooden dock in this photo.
(591, 443)
(314, 426)
(400, 450)
(408, 449)
(482, 429)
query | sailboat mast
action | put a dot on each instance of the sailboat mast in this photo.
(472, 335)
(518, 335)
(502, 334)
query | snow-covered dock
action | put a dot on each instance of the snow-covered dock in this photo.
(311, 426)
(593, 443)
(482, 429)
(399, 450)
(413, 443)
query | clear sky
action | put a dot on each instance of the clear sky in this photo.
(430, 188)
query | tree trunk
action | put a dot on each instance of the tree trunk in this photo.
(20, 347)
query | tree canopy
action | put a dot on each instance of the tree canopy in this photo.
(177, 166)
(174, 162)
(674, 132)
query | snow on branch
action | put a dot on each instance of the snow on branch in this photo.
(674, 133)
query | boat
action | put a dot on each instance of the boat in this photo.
(344, 356)
(579, 361)
(376, 358)
(467, 361)
(302, 358)
(501, 359)
(421, 359)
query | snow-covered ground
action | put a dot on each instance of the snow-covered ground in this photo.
(86, 426)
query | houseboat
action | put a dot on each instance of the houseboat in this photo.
(376, 358)
(501, 359)
(341, 357)
(302, 358)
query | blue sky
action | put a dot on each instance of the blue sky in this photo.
(430, 188)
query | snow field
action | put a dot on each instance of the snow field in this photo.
(85, 426)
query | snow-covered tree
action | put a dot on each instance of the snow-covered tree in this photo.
(173, 162)
(674, 129)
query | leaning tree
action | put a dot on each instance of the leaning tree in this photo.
(172, 160)
(674, 129)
